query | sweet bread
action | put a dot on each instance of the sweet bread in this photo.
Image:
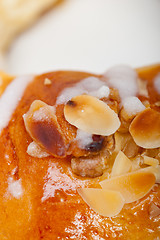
(80, 155)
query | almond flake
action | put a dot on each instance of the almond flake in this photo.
(121, 165)
(133, 186)
(105, 202)
(150, 161)
(41, 124)
(145, 129)
(125, 143)
(153, 169)
(91, 115)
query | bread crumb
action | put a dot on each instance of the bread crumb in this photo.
(47, 81)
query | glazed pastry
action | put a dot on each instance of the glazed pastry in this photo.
(80, 155)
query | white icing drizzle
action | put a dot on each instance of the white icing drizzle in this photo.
(11, 97)
(91, 85)
(157, 83)
(56, 180)
(15, 187)
(132, 105)
(102, 92)
(124, 78)
(83, 138)
(40, 114)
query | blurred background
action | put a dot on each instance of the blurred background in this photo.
(88, 35)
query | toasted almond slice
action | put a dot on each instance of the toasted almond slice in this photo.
(125, 142)
(122, 140)
(105, 202)
(132, 186)
(153, 169)
(121, 165)
(150, 161)
(91, 115)
(119, 141)
(136, 163)
(145, 129)
(41, 124)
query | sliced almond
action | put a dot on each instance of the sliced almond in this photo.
(133, 186)
(124, 142)
(41, 124)
(145, 129)
(105, 202)
(153, 169)
(91, 115)
(136, 163)
(153, 153)
(120, 139)
(121, 165)
(150, 161)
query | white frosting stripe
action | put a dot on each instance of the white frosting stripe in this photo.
(11, 97)
(91, 85)
(124, 78)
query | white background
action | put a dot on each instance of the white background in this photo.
(89, 35)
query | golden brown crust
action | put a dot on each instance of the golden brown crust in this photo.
(50, 207)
